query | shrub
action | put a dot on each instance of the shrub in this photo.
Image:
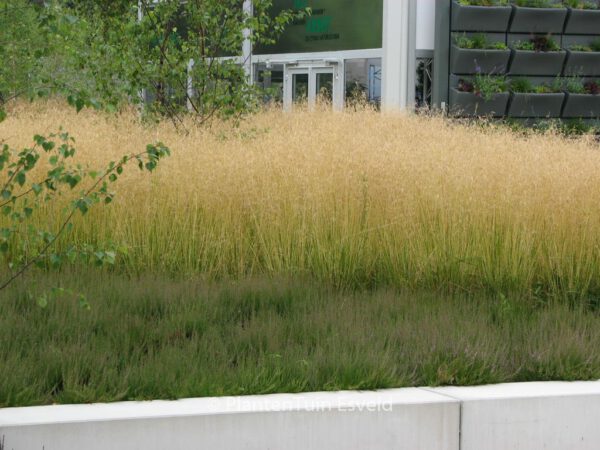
(524, 85)
(575, 127)
(593, 46)
(537, 4)
(576, 86)
(549, 88)
(538, 44)
(483, 2)
(521, 85)
(580, 48)
(592, 87)
(578, 4)
(484, 86)
(478, 41)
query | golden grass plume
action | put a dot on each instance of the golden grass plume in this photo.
(355, 198)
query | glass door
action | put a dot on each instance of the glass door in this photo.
(323, 86)
(300, 87)
(311, 85)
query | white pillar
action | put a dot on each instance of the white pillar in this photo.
(142, 92)
(247, 45)
(398, 64)
(190, 85)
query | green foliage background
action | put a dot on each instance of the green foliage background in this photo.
(110, 54)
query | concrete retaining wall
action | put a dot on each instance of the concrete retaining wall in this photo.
(529, 416)
(511, 416)
(404, 419)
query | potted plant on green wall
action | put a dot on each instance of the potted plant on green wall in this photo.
(540, 55)
(584, 59)
(583, 98)
(480, 15)
(529, 100)
(481, 95)
(538, 16)
(584, 17)
(476, 53)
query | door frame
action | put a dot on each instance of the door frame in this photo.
(312, 68)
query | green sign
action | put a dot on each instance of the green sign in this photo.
(333, 25)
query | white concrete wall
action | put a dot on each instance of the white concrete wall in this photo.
(403, 419)
(521, 416)
(529, 416)
(425, 24)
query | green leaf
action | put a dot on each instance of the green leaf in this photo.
(83, 303)
(55, 260)
(2, 115)
(73, 181)
(71, 255)
(47, 237)
(82, 206)
(48, 145)
(109, 258)
(42, 301)
(57, 291)
(79, 104)
(21, 178)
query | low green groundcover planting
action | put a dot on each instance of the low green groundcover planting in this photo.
(593, 46)
(541, 43)
(483, 2)
(478, 42)
(153, 338)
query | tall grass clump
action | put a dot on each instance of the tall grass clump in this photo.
(356, 199)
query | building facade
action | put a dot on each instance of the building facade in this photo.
(512, 59)
(350, 50)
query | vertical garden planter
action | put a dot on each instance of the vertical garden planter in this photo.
(528, 62)
(469, 61)
(538, 20)
(480, 18)
(583, 63)
(554, 28)
(536, 105)
(583, 21)
(469, 104)
(582, 105)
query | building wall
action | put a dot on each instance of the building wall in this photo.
(425, 24)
